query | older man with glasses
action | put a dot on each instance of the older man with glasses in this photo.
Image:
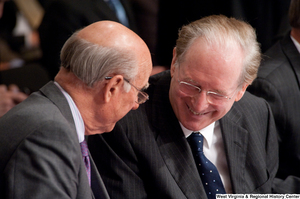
(43, 149)
(200, 133)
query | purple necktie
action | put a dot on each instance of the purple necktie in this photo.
(86, 159)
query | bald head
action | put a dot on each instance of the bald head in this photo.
(103, 49)
(112, 34)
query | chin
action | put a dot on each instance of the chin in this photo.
(190, 126)
(195, 125)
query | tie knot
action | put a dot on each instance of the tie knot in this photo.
(196, 141)
(196, 136)
(84, 148)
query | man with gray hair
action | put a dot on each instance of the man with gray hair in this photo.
(201, 133)
(278, 82)
(43, 151)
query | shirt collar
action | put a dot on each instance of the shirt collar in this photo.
(296, 43)
(207, 132)
(79, 124)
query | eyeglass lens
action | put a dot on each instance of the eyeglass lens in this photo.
(211, 97)
(142, 97)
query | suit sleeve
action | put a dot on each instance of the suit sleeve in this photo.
(120, 172)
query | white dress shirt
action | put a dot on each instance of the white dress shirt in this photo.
(213, 149)
(79, 124)
(296, 43)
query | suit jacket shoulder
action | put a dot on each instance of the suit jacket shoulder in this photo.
(40, 154)
(281, 56)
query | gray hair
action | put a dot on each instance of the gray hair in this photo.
(92, 62)
(224, 31)
(294, 13)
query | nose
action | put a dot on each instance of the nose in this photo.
(200, 101)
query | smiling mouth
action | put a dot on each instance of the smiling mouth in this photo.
(195, 113)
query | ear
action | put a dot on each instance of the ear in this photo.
(172, 69)
(241, 93)
(113, 87)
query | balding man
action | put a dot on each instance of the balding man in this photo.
(105, 67)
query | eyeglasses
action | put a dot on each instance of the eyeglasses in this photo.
(211, 97)
(142, 96)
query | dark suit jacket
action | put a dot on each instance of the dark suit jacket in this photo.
(64, 17)
(40, 152)
(278, 82)
(148, 156)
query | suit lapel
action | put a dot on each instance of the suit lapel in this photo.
(97, 185)
(178, 158)
(53, 93)
(235, 140)
(291, 52)
(173, 145)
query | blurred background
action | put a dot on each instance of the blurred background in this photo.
(32, 32)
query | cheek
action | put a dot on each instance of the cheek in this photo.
(178, 101)
(128, 103)
(221, 111)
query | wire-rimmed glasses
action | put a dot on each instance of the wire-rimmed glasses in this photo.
(142, 96)
(211, 97)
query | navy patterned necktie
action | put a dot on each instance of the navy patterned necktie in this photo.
(86, 159)
(208, 172)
